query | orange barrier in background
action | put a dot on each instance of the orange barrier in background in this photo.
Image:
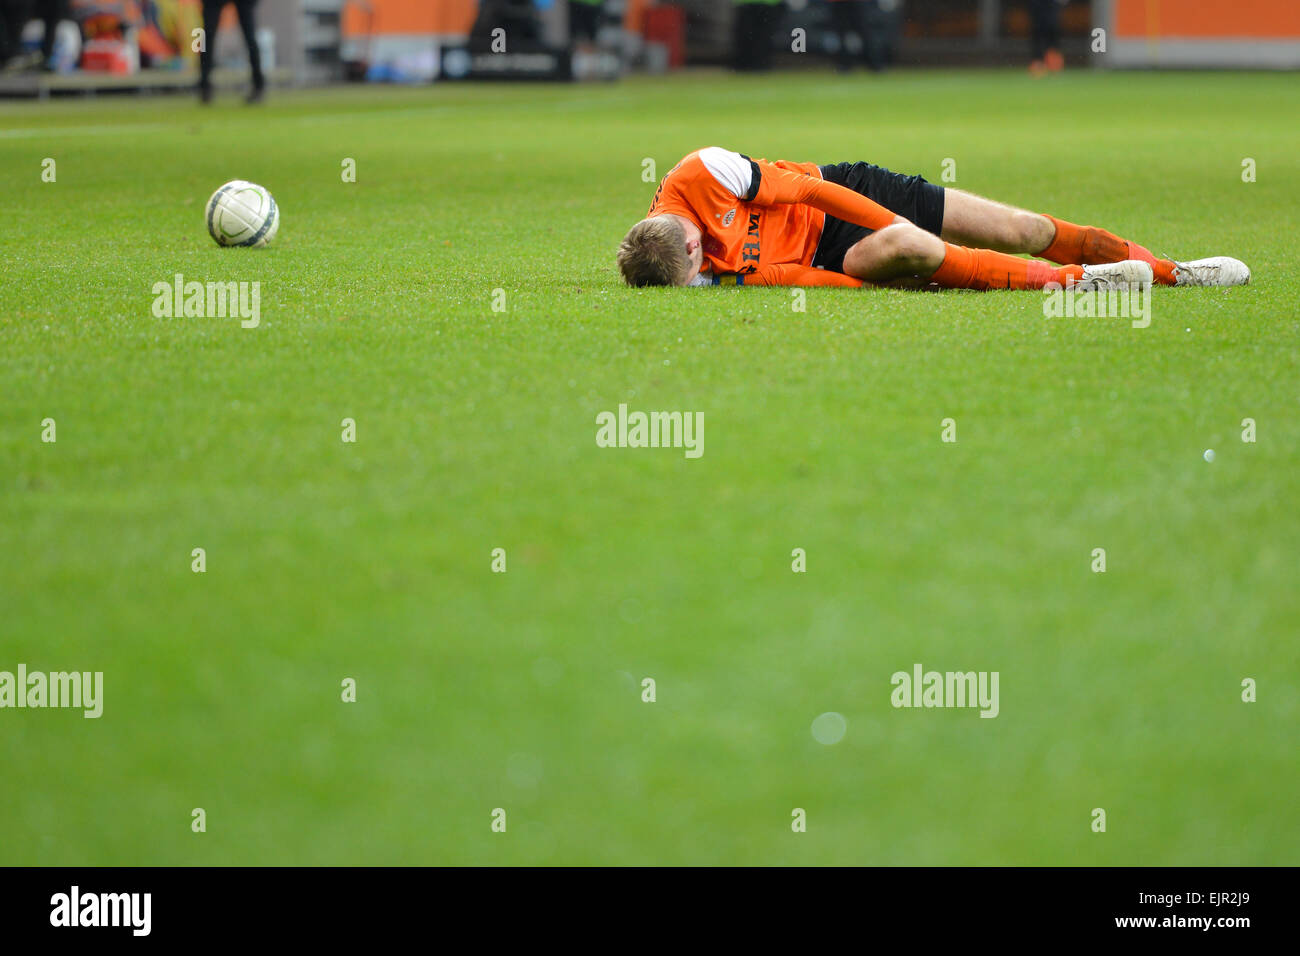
(396, 17)
(445, 17)
(1207, 19)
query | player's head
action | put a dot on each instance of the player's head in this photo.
(662, 250)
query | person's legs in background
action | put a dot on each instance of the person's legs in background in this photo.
(743, 36)
(51, 12)
(853, 16)
(769, 18)
(211, 17)
(755, 22)
(1046, 36)
(9, 30)
(249, 27)
(842, 23)
(13, 17)
(869, 17)
(584, 22)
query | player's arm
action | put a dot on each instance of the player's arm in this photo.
(791, 273)
(777, 185)
(783, 273)
(764, 184)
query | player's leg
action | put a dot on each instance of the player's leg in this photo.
(920, 246)
(895, 252)
(903, 251)
(915, 247)
(971, 220)
(1088, 244)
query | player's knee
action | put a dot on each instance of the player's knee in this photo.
(1028, 232)
(906, 245)
(897, 249)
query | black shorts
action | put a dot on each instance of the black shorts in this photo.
(911, 197)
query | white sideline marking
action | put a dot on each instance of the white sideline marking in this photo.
(28, 132)
(562, 106)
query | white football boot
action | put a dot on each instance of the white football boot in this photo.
(1216, 270)
(1129, 275)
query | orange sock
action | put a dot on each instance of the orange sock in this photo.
(984, 269)
(1090, 245)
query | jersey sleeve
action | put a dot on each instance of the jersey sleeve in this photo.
(772, 185)
(707, 181)
(783, 273)
(792, 273)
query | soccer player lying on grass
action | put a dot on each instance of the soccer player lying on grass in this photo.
(720, 216)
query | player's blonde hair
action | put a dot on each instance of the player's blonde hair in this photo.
(654, 253)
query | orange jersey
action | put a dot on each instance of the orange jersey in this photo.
(754, 214)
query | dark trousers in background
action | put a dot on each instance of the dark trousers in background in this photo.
(16, 13)
(211, 17)
(1046, 33)
(584, 21)
(851, 16)
(13, 14)
(51, 11)
(755, 25)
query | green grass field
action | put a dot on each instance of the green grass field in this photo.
(476, 429)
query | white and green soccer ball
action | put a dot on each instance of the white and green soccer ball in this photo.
(241, 213)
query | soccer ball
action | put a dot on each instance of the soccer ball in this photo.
(241, 213)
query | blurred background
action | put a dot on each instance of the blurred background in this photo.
(84, 47)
